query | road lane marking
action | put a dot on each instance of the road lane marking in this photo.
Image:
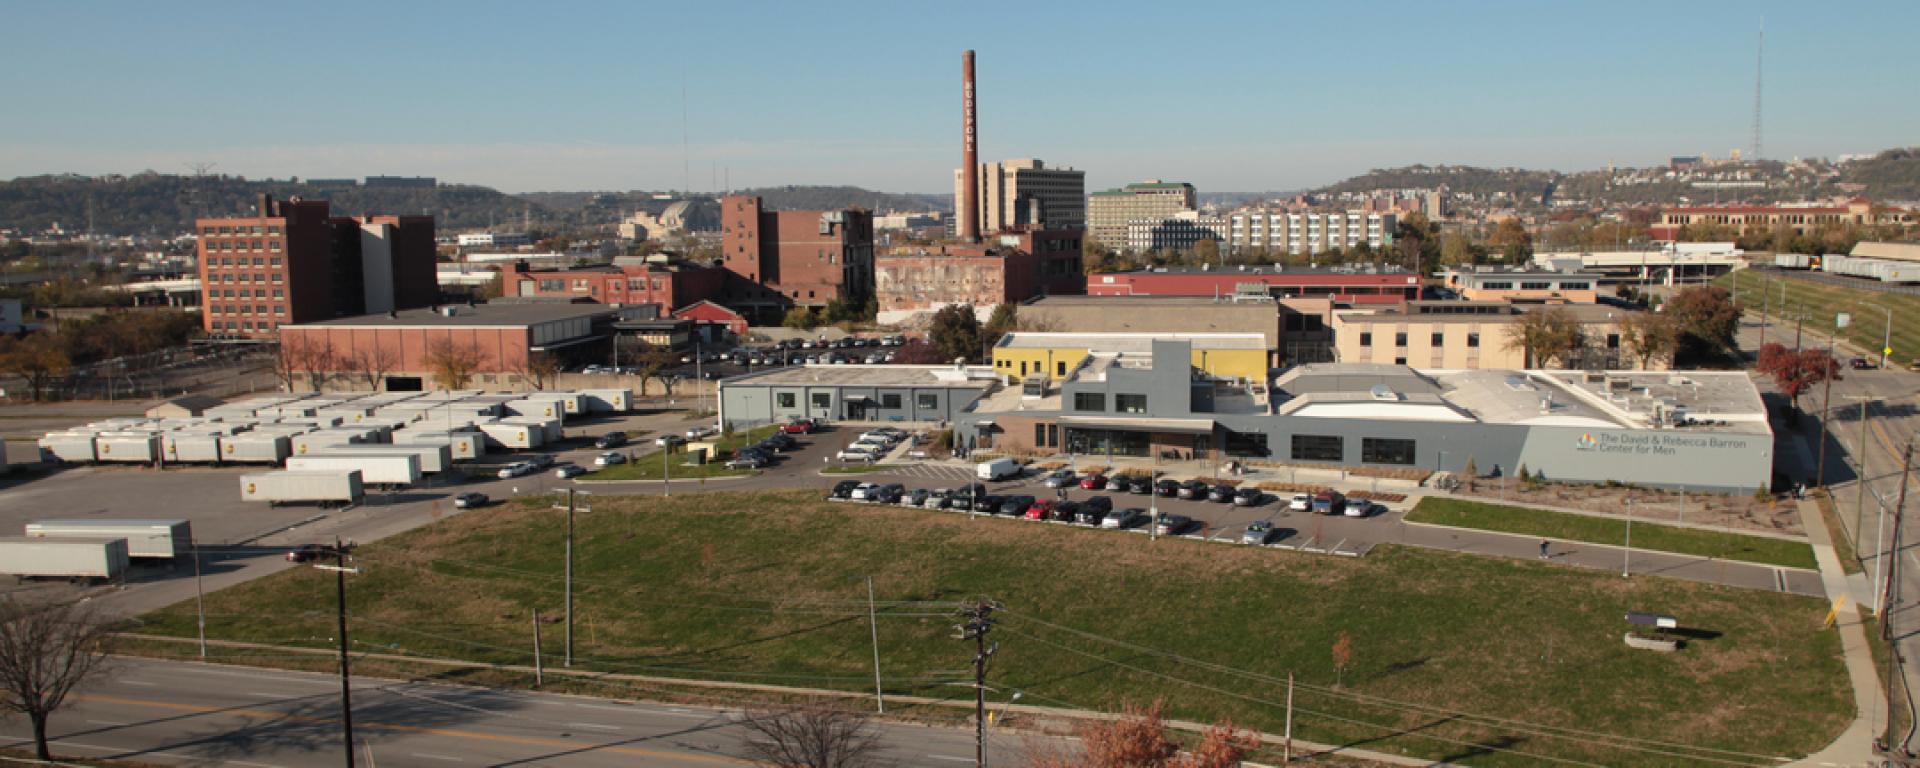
(431, 756)
(114, 723)
(950, 757)
(594, 725)
(140, 683)
(532, 741)
(265, 695)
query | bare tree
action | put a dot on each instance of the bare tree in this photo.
(1138, 739)
(1545, 336)
(287, 360)
(651, 362)
(370, 364)
(539, 369)
(46, 650)
(817, 736)
(453, 365)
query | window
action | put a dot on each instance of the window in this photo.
(553, 285)
(1438, 339)
(1473, 339)
(890, 401)
(1386, 450)
(786, 399)
(1039, 435)
(1319, 448)
(1575, 286)
(1366, 339)
(1613, 341)
(927, 401)
(1090, 401)
(1053, 435)
(1500, 286)
(1400, 339)
(1125, 403)
(1536, 286)
(1060, 369)
(823, 400)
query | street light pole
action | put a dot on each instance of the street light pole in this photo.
(340, 571)
(873, 627)
(567, 659)
(1886, 339)
(199, 600)
(1626, 563)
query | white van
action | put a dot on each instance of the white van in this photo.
(998, 469)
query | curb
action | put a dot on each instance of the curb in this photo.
(1702, 558)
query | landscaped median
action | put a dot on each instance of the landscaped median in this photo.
(1449, 654)
(671, 463)
(1591, 529)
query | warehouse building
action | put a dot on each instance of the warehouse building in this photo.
(1698, 430)
(927, 394)
(500, 339)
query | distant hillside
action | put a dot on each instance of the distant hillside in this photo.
(827, 198)
(1890, 175)
(1513, 183)
(151, 203)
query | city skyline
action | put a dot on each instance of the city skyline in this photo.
(1281, 98)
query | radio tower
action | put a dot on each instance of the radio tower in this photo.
(1759, 60)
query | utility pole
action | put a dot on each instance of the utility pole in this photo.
(199, 600)
(1893, 592)
(567, 659)
(1766, 300)
(873, 626)
(977, 621)
(1286, 753)
(539, 669)
(340, 571)
(1826, 412)
(1626, 563)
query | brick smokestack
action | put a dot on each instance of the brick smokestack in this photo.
(969, 155)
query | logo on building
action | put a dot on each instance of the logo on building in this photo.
(1586, 441)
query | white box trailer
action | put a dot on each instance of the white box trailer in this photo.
(73, 447)
(571, 403)
(165, 539)
(255, 448)
(550, 429)
(434, 457)
(386, 469)
(608, 400)
(461, 445)
(137, 449)
(1792, 260)
(24, 557)
(192, 447)
(326, 488)
(512, 436)
(360, 435)
(546, 409)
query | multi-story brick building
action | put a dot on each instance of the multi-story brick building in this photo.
(293, 262)
(1799, 218)
(1179, 232)
(669, 284)
(780, 259)
(1011, 267)
(1023, 193)
(1109, 212)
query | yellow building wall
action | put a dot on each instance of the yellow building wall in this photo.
(1058, 362)
(1248, 364)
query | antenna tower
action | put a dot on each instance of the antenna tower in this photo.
(1759, 60)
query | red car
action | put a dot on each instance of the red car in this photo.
(1042, 509)
(1093, 482)
(801, 427)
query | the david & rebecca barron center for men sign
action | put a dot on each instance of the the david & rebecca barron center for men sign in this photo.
(1656, 443)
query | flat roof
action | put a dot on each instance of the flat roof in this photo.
(976, 376)
(1129, 343)
(1266, 270)
(476, 315)
(1581, 313)
(1158, 300)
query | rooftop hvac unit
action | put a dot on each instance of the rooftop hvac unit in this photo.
(1384, 392)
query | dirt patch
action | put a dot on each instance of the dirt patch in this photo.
(1650, 504)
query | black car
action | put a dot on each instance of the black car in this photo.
(610, 440)
(1166, 488)
(843, 489)
(888, 494)
(1171, 525)
(988, 504)
(1248, 496)
(1193, 489)
(1014, 506)
(1140, 486)
(1066, 510)
(977, 489)
(1101, 504)
(964, 496)
(1221, 494)
(1118, 484)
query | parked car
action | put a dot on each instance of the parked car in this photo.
(610, 440)
(699, 432)
(799, 427)
(540, 460)
(1172, 524)
(306, 553)
(843, 489)
(1248, 496)
(1118, 483)
(862, 491)
(746, 461)
(1358, 508)
(858, 453)
(515, 469)
(1100, 504)
(1300, 502)
(1125, 518)
(569, 471)
(1140, 486)
(1257, 532)
(1059, 478)
(1193, 489)
(888, 494)
(669, 441)
(1013, 506)
(988, 504)
(917, 498)
(469, 500)
(1094, 482)
(937, 498)
(609, 459)
(1088, 514)
(1167, 488)
(1220, 494)
(1862, 364)
(1040, 509)
(1328, 503)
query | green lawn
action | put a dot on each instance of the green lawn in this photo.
(1819, 302)
(649, 467)
(766, 587)
(1600, 530)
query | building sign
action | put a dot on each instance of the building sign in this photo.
(1656, 444)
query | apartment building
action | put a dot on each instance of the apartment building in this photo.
(1109, 212)
(671, 285)
(295, 262)
(1023, 193)
(1179, 232)
(1472, 335)
(1309, 231)
(1525, 285)
(782, 259)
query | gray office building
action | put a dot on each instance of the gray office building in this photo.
(928, 394)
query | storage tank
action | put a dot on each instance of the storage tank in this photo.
(96, 559)
(163, 539)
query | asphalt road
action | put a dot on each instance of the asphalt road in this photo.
(197, 714)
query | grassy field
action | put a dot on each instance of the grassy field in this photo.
(649, 467)
(1819, 302)
(766, 588)
(1600, 530)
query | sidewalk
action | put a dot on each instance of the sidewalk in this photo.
(1855, 745)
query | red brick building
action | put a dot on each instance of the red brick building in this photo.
(670, 285)
(707, 312)
(780, 259)
(294, 262)
(1008, 268)
(501, 336)
(1342, 287)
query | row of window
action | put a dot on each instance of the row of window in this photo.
(258, 261)
(243, 245)
(256, 229)
(1373, 450)
(1504, 285)
(245, 277)
(243, 325)
(1096, 402)
(248, 309)
(1437, 339)
(888, 400)
(257, 293)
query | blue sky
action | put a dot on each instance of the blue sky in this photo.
(1234, 96)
